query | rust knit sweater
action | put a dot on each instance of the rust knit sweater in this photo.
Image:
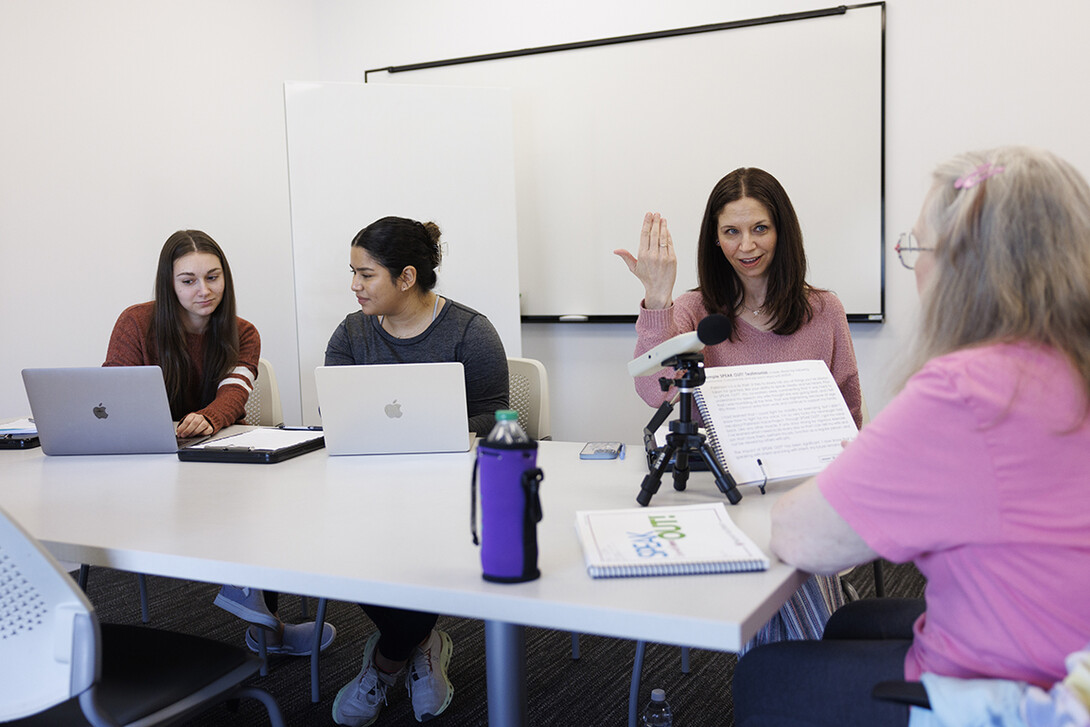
(129, 347)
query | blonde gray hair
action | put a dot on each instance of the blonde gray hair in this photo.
(1012, 255)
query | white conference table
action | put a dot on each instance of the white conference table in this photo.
(393, 530)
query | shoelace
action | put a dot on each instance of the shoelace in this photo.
(379, 689)
(425, 657)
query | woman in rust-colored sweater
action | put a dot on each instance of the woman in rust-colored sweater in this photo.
(207, 353)
(209, 360)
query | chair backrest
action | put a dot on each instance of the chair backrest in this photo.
(49, 636)
(529, 396)
(263, 407)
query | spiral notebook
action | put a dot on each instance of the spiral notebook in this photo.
(665, 541)
(768, 422)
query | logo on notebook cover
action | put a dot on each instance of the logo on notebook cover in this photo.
(393, 409)
(100, 412)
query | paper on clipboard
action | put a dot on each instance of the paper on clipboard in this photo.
(265, 440)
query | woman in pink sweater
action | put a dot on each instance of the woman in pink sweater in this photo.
(752, 269)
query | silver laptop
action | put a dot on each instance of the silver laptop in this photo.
(393, 408)
(101, 410)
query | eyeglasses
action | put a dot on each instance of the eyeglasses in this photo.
(908, 249)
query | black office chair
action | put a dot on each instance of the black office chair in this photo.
(58, 665)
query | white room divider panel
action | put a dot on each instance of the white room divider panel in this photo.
(357, 153)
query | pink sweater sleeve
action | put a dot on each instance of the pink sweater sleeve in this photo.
(655, 326)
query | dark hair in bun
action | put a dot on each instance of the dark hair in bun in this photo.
(397, 242)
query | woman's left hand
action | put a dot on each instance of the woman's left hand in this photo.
(194, 425)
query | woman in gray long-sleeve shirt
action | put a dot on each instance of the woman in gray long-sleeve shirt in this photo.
(402, 320)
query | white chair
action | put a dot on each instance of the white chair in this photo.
(263, 407)
(58, 665)
(529, 396)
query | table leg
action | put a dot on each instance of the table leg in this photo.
(505, 669)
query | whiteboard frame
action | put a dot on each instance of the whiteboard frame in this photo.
(858, 277)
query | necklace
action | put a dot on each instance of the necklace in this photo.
(434, 312)
(755, 311)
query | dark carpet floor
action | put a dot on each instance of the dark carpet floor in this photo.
(592, 690)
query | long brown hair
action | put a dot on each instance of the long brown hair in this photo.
(167, 334)
(787, 300)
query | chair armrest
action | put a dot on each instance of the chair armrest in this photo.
(910, 693)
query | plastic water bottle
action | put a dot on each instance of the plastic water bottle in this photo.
(507, 430)
(509, 479)
(657, 712)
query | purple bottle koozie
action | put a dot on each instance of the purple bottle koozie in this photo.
(510, 511)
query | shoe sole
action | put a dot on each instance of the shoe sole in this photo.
(445, 652)
(246, 614)
(368, 649)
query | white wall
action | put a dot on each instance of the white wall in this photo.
(124, 120)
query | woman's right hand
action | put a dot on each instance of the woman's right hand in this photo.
(655, 263)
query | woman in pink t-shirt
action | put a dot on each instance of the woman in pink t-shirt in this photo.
(976, 471)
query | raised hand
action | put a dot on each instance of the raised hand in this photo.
(654, 263)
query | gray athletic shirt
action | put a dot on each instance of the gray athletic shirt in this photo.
(458, 333)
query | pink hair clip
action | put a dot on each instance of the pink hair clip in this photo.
(978, 175)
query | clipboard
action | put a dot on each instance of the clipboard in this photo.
(19, 441)
(257, 446)
(19, 434)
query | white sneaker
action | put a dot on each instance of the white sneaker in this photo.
(359, 702)
(427, 679)
(246, 603)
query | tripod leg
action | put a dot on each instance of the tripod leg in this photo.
(651, 482)
(681, 467)
(723, 479)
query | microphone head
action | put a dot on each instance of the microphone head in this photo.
(713, 329)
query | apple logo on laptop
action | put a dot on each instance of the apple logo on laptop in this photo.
(393, 410)
(100, 412)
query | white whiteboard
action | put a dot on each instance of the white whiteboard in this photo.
(607, 133)
(360, 152)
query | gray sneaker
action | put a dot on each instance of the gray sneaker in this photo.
(297, 639)
(427, 679)
(359, 702)
(246, 603)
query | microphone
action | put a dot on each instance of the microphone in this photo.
(710, 331)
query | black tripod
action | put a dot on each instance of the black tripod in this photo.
(684, 440)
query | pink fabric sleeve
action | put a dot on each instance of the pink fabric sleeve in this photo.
(844, 368)
(655, 326)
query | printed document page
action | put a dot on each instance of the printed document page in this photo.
(790, 416)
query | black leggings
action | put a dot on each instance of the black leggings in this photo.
(400, 631)
(828, 682)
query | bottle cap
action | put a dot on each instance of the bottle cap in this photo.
(505, 415)
(658, 695)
